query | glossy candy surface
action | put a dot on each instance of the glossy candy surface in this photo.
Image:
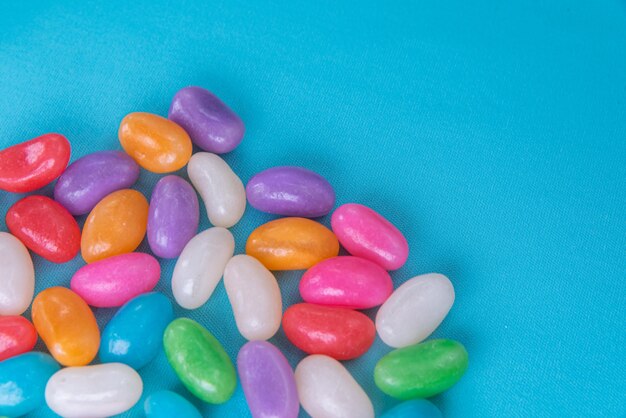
(116, 225)
(90, 178)
(17, 276)
(415, 408)
(32, 164)
(166, 404)
(340, 333)
(346, 281)
(200, 361)
(291, 191)
(212, 125)
(66, 325)
(291, 244)
(45, 227)
(17, 336)
(365, 233)
(155, 143)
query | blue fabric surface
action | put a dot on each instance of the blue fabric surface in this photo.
(492, 133)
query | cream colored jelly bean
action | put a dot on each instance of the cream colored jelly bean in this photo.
(17, 276)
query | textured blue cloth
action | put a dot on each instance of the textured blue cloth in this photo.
(492, 133)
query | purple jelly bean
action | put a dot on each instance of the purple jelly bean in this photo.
(267, 381)
(211, 124)
(90, 178)
(291, 191)
(173, 217)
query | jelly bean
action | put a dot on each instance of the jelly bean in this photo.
(336, 332)
(45, 227)
(416, 408)
(17, 336)
(93, 391)
(173, 217)
(135, 334)
(421, 370)
(291, 191)
(66, 325)
(200, 266)
(415, 310)
(210, 123)
(33, 164)
(267, 381)
(367, 234)
(200, 361)
(291, 244)
(349, 282)
(327, 390)
(221, 190)
(155, 143)
(166, 404)
(17, 276)
(116, 225)
(255, 297)
(23, 381)
(116, 280)
(90, 178)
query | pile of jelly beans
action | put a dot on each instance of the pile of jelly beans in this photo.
(327, 325)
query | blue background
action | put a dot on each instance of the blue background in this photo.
(492, 133)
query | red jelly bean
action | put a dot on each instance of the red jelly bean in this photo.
(33, 164)
(17, 336)
(340, 333)
(45, 227)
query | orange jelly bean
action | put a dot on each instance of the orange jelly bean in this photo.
(66, 325)
(116, 225)
(292, 244)
(155, 143)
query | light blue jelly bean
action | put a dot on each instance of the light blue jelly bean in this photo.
(134, 335)
(23, 381)
(416, 408)
(166, 404)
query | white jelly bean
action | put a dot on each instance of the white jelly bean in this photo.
(255, 297)
(328, 390)
(221, 190)
(93, 391)
(414, 310)
(201, 265)
(17, 276)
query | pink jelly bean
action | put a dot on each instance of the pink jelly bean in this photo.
(365, 233)
(115, 280)
(347, 282)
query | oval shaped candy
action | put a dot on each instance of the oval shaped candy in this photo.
(93, 391)
(421, 370)
(166, 404)
(291, 191)
(267, 380)
(340, 333)
(23, 381)
(415, 310)
(365, 233)
(199, 361)
(291, 244)
(45, 227)
(17, 276)
(348, 282)
(134, 335)
(116, 280)
(327, 389)
(200, 266)
(33, 164)
(210, 123)
(254, 296)
(66, 325)
(17, 336)
(155, 143)
(116, 225)
(90, 178)
(221, 190)
(173, 217)
(415, 408)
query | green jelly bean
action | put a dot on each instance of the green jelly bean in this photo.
(421, 370)
(199, 360)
